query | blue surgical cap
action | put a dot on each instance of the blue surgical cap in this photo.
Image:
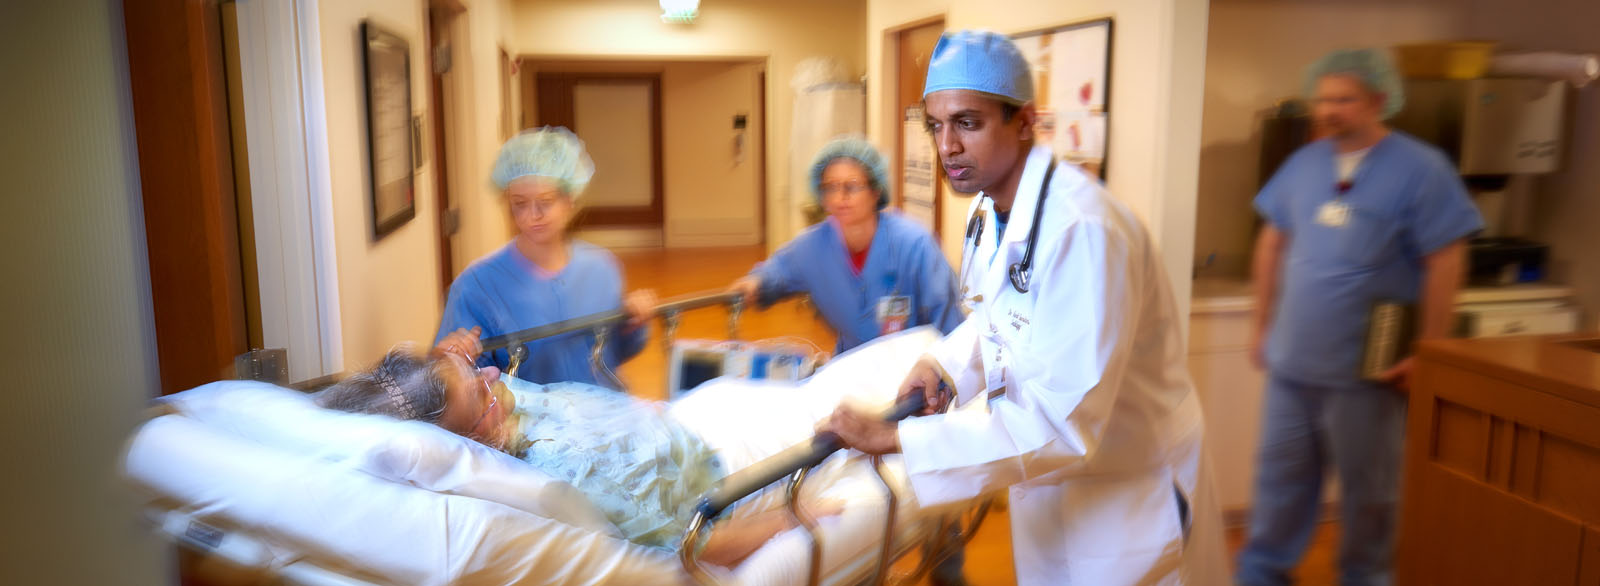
(980, 61)
(1372, 66)
(551, 152)
(859, 150)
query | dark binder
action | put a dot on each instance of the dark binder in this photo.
(1391, 332)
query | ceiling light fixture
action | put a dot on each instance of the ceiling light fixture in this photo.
(679, 11)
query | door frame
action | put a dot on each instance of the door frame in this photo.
(441, 17)
(280, 69)
(555, 107)
(191, 222)
(894, 37)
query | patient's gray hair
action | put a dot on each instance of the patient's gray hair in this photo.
(402, 385)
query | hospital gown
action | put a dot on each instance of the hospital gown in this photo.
(902, 261)
(641, 469)
(504, 292)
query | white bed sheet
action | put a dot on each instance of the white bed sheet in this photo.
(747, 421)
(335, 515)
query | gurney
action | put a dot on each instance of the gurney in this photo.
(278, 507)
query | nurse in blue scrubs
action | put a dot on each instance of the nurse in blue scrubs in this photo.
(869, 271)
(1369, 214)
(544, 275)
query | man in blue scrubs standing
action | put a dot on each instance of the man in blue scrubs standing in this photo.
(1367, 214)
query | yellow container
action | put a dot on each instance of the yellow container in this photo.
(1445, 60)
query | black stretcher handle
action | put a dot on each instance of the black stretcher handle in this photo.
(761, 474)
(585, 323)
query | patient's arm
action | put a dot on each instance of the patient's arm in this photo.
(735, 539)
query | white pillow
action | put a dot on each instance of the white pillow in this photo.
(410, 452)
(324, 513)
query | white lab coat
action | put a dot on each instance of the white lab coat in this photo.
(1098, 424)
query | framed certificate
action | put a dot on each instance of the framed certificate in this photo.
(387, 60)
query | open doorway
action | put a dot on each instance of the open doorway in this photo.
(618, 115)
(678, 146)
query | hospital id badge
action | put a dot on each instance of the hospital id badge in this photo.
(1333, 214)
(894, 312)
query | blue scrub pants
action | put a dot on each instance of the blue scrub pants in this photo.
(1358, 428)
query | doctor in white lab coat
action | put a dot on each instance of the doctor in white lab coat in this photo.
(1090, 419)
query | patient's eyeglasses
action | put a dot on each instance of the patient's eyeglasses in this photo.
(494, 400)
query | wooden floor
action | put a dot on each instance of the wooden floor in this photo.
(685, 271)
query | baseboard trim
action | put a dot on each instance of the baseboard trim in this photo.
(622, 237)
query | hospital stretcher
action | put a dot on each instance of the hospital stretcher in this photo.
(881, 523)
(793, 464)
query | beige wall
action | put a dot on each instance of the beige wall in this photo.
(781, 32)
(80, 343)
(389, 289)
(1566, 203)
(487, 28)
(1257, 53)
(710, 196)
(1158, 61)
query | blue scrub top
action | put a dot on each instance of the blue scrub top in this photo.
(903, 260)
(1405, 201)
(504, 292)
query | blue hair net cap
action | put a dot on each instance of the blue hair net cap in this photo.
(980, 61)
(1373, 67)
(551, 152)
(859, 150)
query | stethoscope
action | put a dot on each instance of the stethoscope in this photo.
(1020, 272)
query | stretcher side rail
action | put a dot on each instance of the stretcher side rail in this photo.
(667, 310)
(791, 463)
(600, 323)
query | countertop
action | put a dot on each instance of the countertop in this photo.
(1567, 365)
(1218, 295)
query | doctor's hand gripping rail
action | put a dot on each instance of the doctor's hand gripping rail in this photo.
(601, 323)
(794, 463)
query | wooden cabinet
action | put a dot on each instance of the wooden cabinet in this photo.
(1502, 479)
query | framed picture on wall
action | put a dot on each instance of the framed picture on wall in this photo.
(1072, 89)
(387, 60)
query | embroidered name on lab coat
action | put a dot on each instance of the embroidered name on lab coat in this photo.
(1018, 320)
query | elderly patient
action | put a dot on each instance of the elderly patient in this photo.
(640, 468)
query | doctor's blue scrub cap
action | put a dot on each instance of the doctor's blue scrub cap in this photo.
(980, 61)
(551, 152)
(1372, 66)
(859, 150)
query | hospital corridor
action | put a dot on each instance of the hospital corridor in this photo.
(773, 293)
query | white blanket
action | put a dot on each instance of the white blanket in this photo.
(426, 507)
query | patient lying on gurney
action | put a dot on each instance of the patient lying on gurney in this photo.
(640, 468)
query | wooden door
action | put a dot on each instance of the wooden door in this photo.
(913, 47)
